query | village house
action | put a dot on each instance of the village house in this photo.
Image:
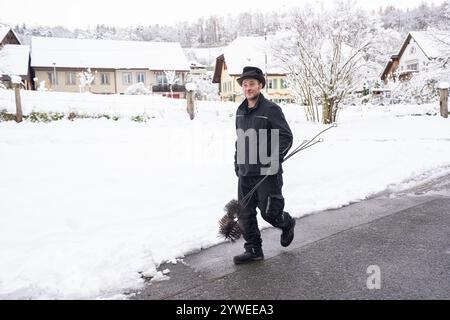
(7, 36)
(418, 49)
(249, 51)
(14, 59)
(116, 65)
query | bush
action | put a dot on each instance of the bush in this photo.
(99, 116)
(138, 89)
(57, 116)
(5, 116)
(73, 115)
(139, 118)
(44, 117)
(39, 117)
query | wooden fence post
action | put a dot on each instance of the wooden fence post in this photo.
(190, 104)
(18, 102)
(444, 102)
(190, 98)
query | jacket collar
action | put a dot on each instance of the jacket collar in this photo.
(244, 105)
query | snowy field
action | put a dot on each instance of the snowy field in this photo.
(88, 206)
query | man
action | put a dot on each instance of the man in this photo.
(262, 120)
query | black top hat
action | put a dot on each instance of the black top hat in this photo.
(252, 73)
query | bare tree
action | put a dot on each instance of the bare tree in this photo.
(86, 79)
(326, 58)
(172, 79)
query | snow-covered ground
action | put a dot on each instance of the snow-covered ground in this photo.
(87, 206)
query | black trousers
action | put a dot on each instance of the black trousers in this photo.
(269, 199)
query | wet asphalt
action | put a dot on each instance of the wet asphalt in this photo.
(391, 246)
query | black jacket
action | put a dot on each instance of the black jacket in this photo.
(265, 115)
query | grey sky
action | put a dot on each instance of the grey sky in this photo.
(83, 13)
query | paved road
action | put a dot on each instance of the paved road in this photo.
(399, 243)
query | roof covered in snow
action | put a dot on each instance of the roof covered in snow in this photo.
(433, 43)
(3, 32)
(251, 51)
(107, 54)
(206, 56)
(14, 59)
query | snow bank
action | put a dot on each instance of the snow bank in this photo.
(88, 207)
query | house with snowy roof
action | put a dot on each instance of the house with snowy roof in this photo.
(116, 65)
(250, 51)
(7, 36)
(15, 61)
(418, 49)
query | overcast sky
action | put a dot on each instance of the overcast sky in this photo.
(84, 13)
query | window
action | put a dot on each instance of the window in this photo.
(275, 83)
(161, 79)
(412, 50)
(104, 79)
(126, 78)
(180, 76)
(141, 77)
(282, 84)
(413, 66)
(51, 78)
(71, 78)
(270, 84)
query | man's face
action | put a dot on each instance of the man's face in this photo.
(251, 88)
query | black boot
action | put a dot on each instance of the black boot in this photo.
(288, 234)
(253, 254)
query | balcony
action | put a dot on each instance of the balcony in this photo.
(166, 88)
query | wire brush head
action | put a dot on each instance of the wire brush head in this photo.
(228, 225)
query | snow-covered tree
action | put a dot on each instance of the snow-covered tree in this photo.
(216, 30)
(204, 88)
(326, 57)
(86, 79)
(444, 16)
(446, 9)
